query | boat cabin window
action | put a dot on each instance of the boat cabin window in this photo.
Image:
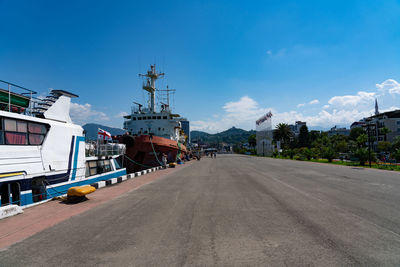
(165, 117)
(154, 117)
(39, 192)
(158, 117)
(133, 118)
(97, 167)
(19, 132)
(10, 194)
(139, 118)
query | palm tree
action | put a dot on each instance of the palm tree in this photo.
(385, 131)
(283, 133)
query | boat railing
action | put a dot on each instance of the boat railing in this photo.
(108, 149)
(18, 99)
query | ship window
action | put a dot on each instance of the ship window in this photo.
(37, 128)
(10, 194)
(38, 189)
(92, 164)
(133, 118)
(165, 117)
(92, 168)
(15, 138)
(87, 170)
(159, 128)
(107, 166)
(100, 166)
(36, 139)
(10, 125)
(158, 117)
(21, 126)
(154, 117)
(15, 132)
(139, 118)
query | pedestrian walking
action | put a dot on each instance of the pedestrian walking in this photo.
(164, 160)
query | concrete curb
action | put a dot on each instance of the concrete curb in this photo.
(123, 178)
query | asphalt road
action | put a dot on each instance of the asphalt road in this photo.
(233, 211)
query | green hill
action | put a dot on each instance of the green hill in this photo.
(231, 136)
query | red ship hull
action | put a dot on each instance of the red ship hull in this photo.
(140, 151)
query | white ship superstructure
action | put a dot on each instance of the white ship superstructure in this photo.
(42, 152)
(149, 121)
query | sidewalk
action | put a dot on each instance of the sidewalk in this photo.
(35, 219)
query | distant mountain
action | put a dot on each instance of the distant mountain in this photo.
(231, 136)
(92, 129)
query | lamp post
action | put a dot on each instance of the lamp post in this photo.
(368, 125)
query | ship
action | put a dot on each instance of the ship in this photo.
(42, 152)
(152, 133)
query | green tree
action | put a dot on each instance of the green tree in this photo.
(396, 143)
(385, 131)
(314, 135)
(328, 153)
(396, 155)
(283, 133)
(355, 132)
(341, 146)
(306, 152)
(384, 146)
(304, 140)
(362, 140)
(252, 140)
(362, 155)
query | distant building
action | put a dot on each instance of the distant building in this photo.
(389, 119)
(186, 128)
(264, 135)
(296, 127)
(357, 124)
(335, 130)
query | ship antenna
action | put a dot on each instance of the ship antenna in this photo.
(168, 91)
(150, 85)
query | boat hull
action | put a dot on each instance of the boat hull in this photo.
(146, 151)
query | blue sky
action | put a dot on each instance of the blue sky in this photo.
(230, 61)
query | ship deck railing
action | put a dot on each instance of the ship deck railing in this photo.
(108, 149)
(17, 99)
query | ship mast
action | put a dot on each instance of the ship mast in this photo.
(150, 85)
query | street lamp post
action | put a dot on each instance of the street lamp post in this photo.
(368, 125)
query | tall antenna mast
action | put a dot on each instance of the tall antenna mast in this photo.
(150, 85)
(167, 93)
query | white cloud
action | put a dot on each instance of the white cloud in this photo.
(340, 110)
(352, 100)
(82, 114)
(242, 114)
(390, 85)
(121, 114)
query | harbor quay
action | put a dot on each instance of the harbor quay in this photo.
(226, 210)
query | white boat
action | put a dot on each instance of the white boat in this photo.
(42, 152)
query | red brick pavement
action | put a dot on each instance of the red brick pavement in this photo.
(35, 219)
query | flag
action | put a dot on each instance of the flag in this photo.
(101, 134)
